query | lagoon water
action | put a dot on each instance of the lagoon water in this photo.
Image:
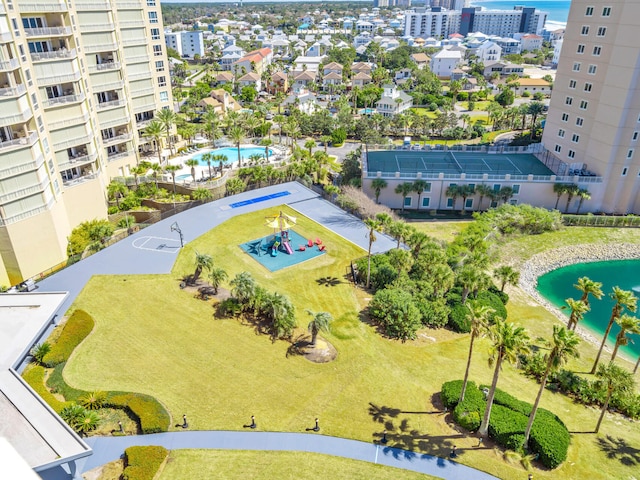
(557, 285)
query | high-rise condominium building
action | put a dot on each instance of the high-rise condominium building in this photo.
(78, 83)
(594, 117)
(450, 4)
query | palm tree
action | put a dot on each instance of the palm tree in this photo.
(244, 288)
(325, 139)
(465, 191)
(559, 189)
(320, 322)
(378, 184)
(452, 192)
(534, 109)
(478, 317)
(583, 194)
(483, 191)
(508, 341)
(236, 133)
(419, 186)
(589, 287)
(399, 230)
(217, 275)
(203, 262)
(167, 117)
(616, 379)
(623, 299)
(572, 191)
(172, 169)
(193, 163)
(628, 325)
(116, 190)
(564, 346)
(469, 276)
(578, 309)
(266, 143)
(372, 224)
(309, 144)
(156, 129)
(506, 274)
(157, 169)
(208, 157)
(404, 189)
(137, 171)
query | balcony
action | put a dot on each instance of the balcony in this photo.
(78, 161)
(80, 119)
(40, 7)
(80, 179)
(139, 76)
(93, 6)
(144, 108)
(119, 155)
(102, 67)
(142, 92)
(103, 87)
(109, 47)
(25, 192)
(13, 119)
(71, 77)
(134, 41)
(73, 142)
(9, 65)
(18, 143)
(137, 59)
(47, 32)
(124, 5)
(6, 37)
(132, 23)
(115, 122)
(16, 91)
(111, 104)
(97, 27)
(25, 167)
(64, 100)
(117, 139)
(54, 55)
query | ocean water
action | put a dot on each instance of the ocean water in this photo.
(557, 285)
(558, 10)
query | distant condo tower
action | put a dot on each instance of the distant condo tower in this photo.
(594, 116)
(449, 4)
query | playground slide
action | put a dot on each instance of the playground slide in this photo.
(287, 248)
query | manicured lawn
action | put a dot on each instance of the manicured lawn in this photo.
(154, 338)
(442, 230)
(211, 464)
(424, 112)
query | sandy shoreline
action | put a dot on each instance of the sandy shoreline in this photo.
(545, 262)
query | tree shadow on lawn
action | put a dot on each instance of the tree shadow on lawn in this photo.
(329, 281)
(298, 345)
(619, 449)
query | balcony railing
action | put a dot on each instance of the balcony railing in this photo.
(104, 87)
(13, 119)
(134, 41)
(116, 122)
(67, 99)
(145, 108)
(69, 122)
(101, 67)
(77, 161)
(117, 139)
(111, 104)
(13, 91)
(24, 192)
(5, 37)
(138, 76)
(97, 27)
(9, 65)
(131, 23)
(109, 47)
(69, 78)
(119, 155)
(17, 143)
(97, 5)
(137, 59)
(47, 31)
(123, 5)
(37, 7)
(72, 142)
(25, 167)
(54, 55)
(142, 92)
(81, 179)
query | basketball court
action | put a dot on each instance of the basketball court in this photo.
(157, 244)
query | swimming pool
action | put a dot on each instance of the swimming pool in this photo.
(232, 154)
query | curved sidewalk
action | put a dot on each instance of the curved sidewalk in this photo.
(108, 449)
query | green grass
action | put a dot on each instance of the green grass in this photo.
(154, 338)
(424, 112)
(442, 230)
(211, 464)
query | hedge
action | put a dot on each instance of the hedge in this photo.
(151, 414)
(34, 376)
(78, 326)
(492, 300)
(143, 463)
(458, 321)
(549, 437)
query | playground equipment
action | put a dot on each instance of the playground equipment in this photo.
(281, 223)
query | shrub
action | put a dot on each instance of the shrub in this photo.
(40, 351)
(34, 376)
(549, 441)
(458, 321)
(201, 194)
(450, 392)
(151, 414)
(504, 297)
(113, 209)
(87, 233)
(143, 463)
(395, 311)
(435, 313)
(507, 426)
(468, 420)
(492, 300)
(57, 384)
(93, 400)
(78, 326)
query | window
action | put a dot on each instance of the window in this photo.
(587, 87)
(159, 66)
(426, 201)
(469, 203)
(164, 97)
(407, 201)
(513, 201)
(630, 153)
(557, 148)
(162, 81)
(583, 104)
(14, 23)
(602, 31)
(496, 187)
(624, 171)
(151, 3)
(576, 66)
(592, 69)
(516, 189)
(579, 121)
(449, 202)
(597, 50)
(571, 154)
(568, 100)
(30, 22)
(427, 187)
(155, 34)
(561, 133)
(572, 84)
(157, 50)
(575, 138)
(606, 11)
(635, 136)
(580, 48)
(589, 12)
(153, 17)
(565, 117)
(585, 30)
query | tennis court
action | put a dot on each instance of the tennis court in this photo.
(392, 161)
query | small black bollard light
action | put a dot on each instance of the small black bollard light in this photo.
(317, 427)
(184, 421)
(253, 422)
(121, 427)
(384, 437)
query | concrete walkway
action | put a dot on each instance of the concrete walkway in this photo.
(108, 449)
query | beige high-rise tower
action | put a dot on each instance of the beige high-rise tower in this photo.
(79, 81)
(594, 118)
